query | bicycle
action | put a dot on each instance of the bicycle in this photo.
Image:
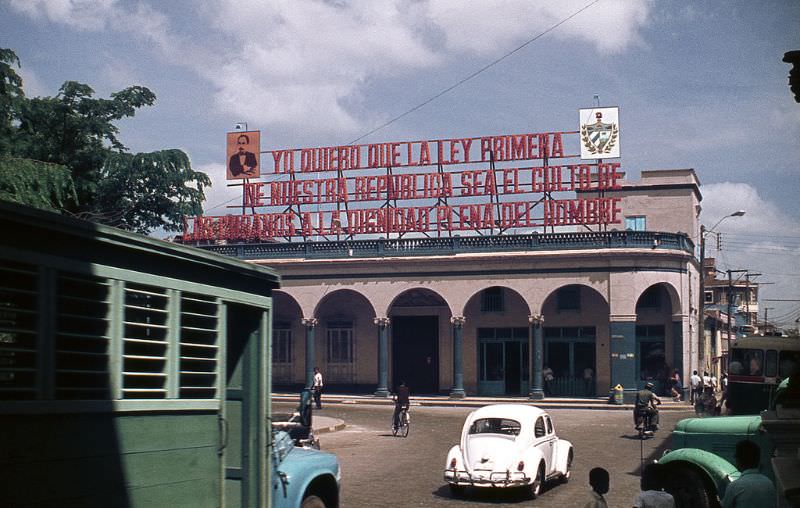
(404, 421)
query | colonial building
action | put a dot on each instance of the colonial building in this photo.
(483, 315)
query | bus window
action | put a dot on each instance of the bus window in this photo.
(771, 363)
(746, 362)
(789, 363)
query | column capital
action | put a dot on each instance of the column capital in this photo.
(536, 319)
(381, 321)
(458, 320)
(309, 322)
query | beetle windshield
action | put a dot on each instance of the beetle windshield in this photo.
(495, 426)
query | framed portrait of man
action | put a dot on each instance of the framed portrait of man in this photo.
(244, 155)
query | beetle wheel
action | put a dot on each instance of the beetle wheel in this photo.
(536, 486)
(568, 471)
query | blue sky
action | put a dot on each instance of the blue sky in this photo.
(699, 84)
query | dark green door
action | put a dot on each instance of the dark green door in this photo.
(244, 452)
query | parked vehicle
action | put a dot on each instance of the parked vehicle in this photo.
(303, 477)
(508, 445)
(701, 463)
(135, 372)
(756, 366)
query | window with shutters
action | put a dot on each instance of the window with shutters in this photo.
(340, 342)
(282, 343)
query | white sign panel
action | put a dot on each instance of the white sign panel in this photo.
(599, 133)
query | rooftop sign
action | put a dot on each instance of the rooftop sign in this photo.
(429, 187)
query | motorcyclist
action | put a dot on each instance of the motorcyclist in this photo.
(401, 401)
(646, 402)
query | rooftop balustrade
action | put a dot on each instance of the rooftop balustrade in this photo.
(394, 247)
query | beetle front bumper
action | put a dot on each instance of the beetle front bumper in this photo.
(486, 478)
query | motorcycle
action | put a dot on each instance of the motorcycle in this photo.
(298, 424)
(644, 421)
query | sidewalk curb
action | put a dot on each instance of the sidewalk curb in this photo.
(474, 402)
(332, 428)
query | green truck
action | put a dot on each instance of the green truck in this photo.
(136, 373)
(701, 463)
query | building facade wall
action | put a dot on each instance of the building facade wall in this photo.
(611, 282)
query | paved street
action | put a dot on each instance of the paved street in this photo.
(379, 470)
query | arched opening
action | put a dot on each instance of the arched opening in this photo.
(497, 331)
(345, 341)
(654, 337)
(288, 347)
(419, 318)
(575, 335)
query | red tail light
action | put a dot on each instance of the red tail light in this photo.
(520, 466)
(453, 463)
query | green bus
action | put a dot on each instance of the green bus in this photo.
(756, 366)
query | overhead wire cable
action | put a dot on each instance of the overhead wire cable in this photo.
(474, 74)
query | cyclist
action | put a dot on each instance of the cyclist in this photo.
(646, 402)
(401, 402)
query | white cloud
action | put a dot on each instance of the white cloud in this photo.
(31, 84)
(88, 15)
(219, 195)
(301, 63)
(765, 241)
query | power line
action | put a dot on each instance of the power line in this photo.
(474, 74)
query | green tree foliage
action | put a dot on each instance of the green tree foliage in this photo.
(35, 183)
(11, 95)
(146, 189)
(76, 130)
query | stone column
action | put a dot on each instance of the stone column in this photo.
(536, 349)
(457, 392)
(311, 358)
(383, 356)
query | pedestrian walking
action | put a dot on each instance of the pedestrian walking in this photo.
(588, 381)
(600, 481)
(652, 494)
(676, 388)
(696, 386)
(723, 382)
(751, 488)
(707, 382)
(547, 375)
(317, 388)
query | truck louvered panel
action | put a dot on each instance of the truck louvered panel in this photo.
(82, 338)
(144, 342)
(199, 347)
(18, 354)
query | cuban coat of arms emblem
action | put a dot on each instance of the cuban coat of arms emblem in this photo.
(600, 138)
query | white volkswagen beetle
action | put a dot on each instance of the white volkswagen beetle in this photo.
(508, 445)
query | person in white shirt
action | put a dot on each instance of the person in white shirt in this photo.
(707, 382)
(696, 386)
(317, 388)
(652, 494)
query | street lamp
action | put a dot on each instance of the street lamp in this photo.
(701, 307)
